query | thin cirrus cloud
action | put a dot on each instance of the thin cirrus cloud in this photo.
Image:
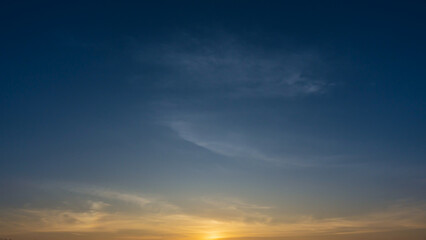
(231, 144)
(227, 147)
(203, 70)
(227, 66)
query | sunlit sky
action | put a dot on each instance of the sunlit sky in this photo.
(200, 120)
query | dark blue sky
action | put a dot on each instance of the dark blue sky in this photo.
(313, 108)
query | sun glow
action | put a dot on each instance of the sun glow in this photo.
(213, 235)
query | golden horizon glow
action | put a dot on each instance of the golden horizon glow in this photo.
(159, 219)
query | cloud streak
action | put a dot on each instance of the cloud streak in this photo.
(223, 147)
(229, 143)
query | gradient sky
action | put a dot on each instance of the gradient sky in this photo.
(174, 120)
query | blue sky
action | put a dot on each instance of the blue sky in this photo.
(223, 119)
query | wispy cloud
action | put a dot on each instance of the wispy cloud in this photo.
(229, 144)
(212, 70)
(225, 147)
(108, 194)
(229, 66)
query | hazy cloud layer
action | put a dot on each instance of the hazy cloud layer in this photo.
(102, 211)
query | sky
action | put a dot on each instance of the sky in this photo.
(202, 120)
